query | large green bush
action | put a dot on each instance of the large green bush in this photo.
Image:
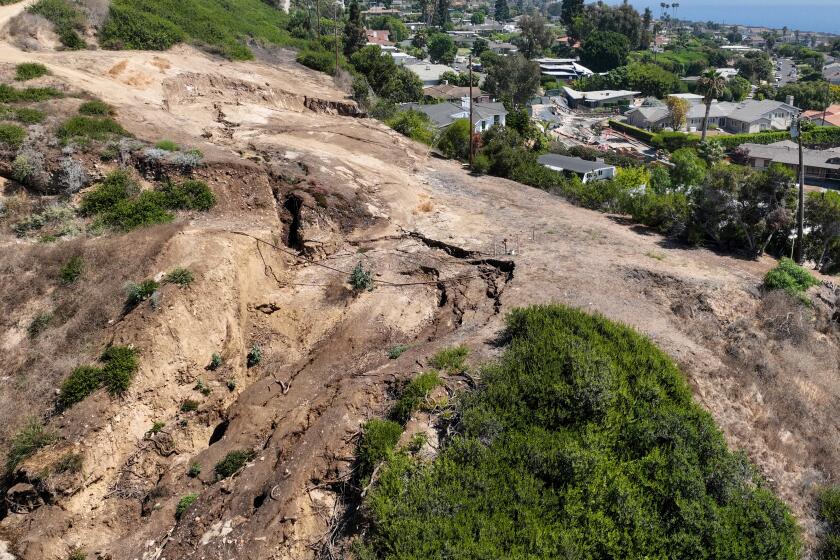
(83, 128)
(120, 364)
(11, 136)
(9, 94)
(790, 277)
(232, 462)
(582, 442)
(221, 25)
(27, 441)
(379, 438)
(29, 71)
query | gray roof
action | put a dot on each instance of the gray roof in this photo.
(787, 152)
(652, 114)
(444, 114)
(717, 110)
(428, 72)
(750, 111)
(569, 163)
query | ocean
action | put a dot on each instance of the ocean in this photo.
(808, 15)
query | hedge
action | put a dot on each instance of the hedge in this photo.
(637, 133)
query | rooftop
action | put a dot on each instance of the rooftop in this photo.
(787, 152)
(569, 163)
(601, 95)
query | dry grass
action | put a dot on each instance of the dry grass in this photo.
(81, 312)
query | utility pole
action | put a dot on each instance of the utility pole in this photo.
(796, 132)
(335, 32)
(471, 113)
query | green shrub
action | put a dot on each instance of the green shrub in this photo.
(95, 109)
(11, 135)
(121, 365)
(582, 441)
(829, 513)
(396, 351)
(115, 187)
(360, 279)
(29, 116)
(72, 270)
(413, 395)
(194, 470)
(413, 124)
(184, 504)
(254, 355)
(217, 24)
(637, 133)
(790, 277)
(26, 442)
(29, 71)
(451, 359)
(68, 21)
(70, 462)
(189, 405)
(189, 195)
(8, 94)
(320, 60)
(379, 438)
(180, 276)
(146, 209)
(157, 426)
(39, 324)
(215, 361)
(167, 145)
(138, 293)
(673, 141)
(84, 129)
(79, 385)
(76, 554)
(232, 462)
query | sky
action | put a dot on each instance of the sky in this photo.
(805, 15)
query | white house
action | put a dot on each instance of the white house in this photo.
(442, 115)
(563, 68)
(429, 73)
(599, 98)
(587, 170)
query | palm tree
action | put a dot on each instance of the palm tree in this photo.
(711, 84)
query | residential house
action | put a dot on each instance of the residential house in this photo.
(820, 165)
(757, 116)
(588, 171)
(429, 73)
(690, 98)
(604, 98)
(831, 73)
(829, 117)
(442, 115)
(381, 11)
(401, 58)
(502, 48)
(379, 37)
(566, 69)
(745, 117)
(449, 92)
(649, 118)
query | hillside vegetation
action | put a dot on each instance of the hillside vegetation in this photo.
(583, 442)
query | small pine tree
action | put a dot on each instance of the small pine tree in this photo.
(354, 32)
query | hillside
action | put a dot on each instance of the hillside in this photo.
(306, 189)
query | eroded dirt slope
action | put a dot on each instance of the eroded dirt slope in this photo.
(307, 190)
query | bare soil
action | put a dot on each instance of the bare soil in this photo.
(307, 190)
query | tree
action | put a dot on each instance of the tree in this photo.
(477, 18)
(440, 17)
(420, 39)
(403, 86)
(397, 30)
(755, 66)
(479, 46)
(442, 48)
(689, 170)
(711, 152)
(454, 140)
(604, 50)
(354, 32)
(822, 219)
(739, 88)
(570, 9)
(502, 12)
(535, 36)
(512, 78)
(647, 23)
(711, 86)
(679, 110)
(742, 210)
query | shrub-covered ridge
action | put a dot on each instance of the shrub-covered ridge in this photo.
(582, 442)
